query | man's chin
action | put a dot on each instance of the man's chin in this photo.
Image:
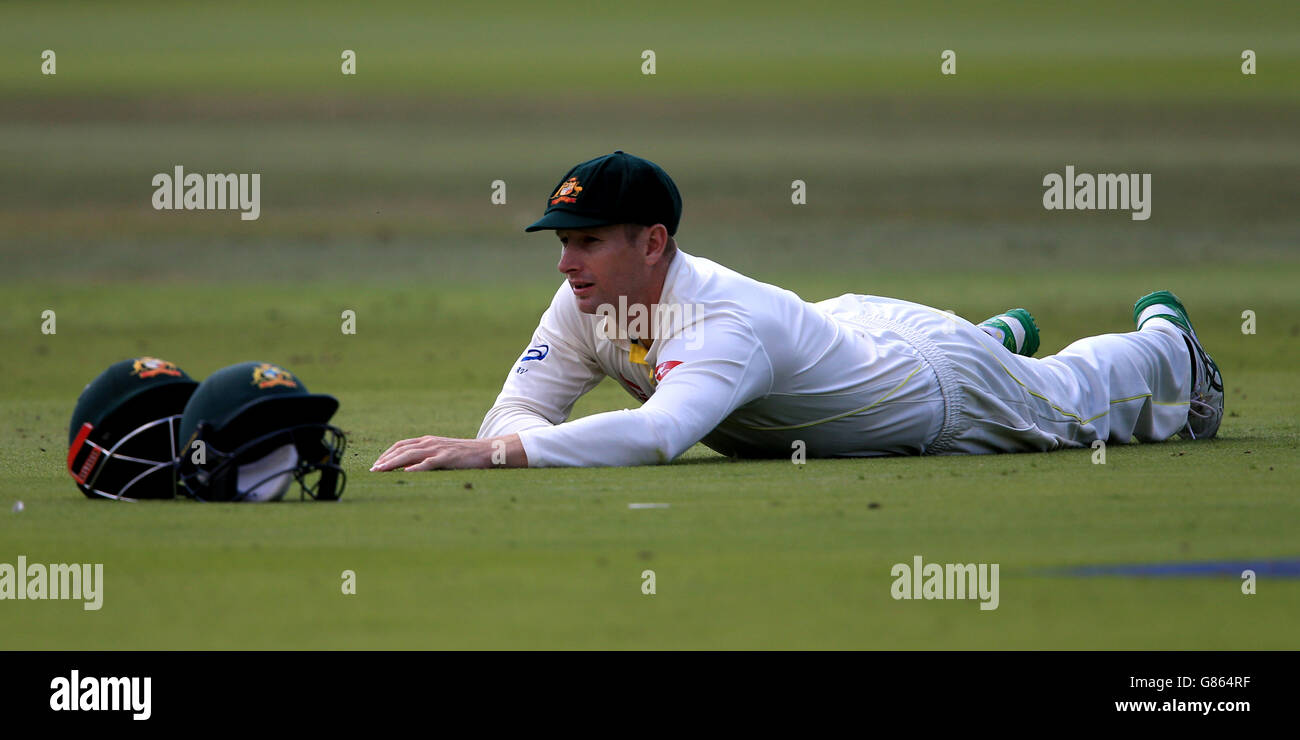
(587, 304)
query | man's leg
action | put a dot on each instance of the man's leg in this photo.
(1113, 387)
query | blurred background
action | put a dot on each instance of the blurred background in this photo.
(920, 185)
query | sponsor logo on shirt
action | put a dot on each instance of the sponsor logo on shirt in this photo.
(662, 369)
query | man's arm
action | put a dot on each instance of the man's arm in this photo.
(725, 368)
(553, 372)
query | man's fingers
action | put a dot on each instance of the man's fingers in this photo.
(432, 453)
(433, 462)
(404, 458)
(391, 448)
(406, 455)
(399, 447)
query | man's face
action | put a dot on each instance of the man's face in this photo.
(602, 264)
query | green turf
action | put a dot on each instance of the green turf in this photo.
(749, 554)
(375, 199)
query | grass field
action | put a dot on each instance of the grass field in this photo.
(376, 199)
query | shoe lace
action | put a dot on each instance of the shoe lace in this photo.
(1201, 410)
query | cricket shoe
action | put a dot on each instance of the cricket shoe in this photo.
(1205, 411)
(1015, 329)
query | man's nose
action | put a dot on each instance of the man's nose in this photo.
(568, 261)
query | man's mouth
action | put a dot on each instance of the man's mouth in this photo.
(581, 288)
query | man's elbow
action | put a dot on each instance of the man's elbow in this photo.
(511, 418)
(666, 440)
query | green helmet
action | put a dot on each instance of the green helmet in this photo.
(124, 437)
(252, 429)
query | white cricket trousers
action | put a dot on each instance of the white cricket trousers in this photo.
(1112, 387)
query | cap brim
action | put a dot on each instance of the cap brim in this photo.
(565, 220)
(254, 418)
(164, 398)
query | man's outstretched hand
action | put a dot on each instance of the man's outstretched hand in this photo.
(447, 453)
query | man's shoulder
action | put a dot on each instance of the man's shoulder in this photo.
(694, 268)
(707, 283)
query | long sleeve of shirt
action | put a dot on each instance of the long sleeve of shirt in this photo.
(691, 400)
(555, 370)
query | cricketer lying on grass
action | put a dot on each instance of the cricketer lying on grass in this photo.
(758, 369)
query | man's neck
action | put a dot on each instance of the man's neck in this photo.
(656, 295)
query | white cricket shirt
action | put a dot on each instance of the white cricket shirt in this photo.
(756, 371)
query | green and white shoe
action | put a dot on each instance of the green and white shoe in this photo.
(1205, 411)
(1015, 329)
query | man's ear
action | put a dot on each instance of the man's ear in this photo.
(656, 243)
